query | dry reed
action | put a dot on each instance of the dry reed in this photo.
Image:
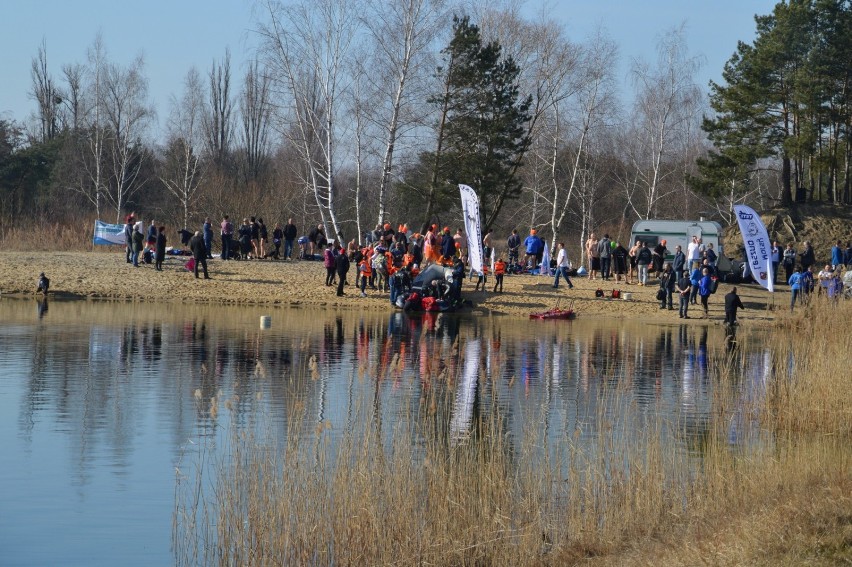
(426, 497)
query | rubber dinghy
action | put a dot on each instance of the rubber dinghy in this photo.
(555, 313)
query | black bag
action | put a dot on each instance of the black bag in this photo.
(599, 293)
(714, 285)
(661, 294)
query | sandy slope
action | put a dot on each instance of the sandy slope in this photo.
(89, 275)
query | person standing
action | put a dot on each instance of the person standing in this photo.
(290, 233)
(659, 257)
(732, 303)
(634, 250)
(775, 254)
(684, 290)
(207, 231)
(605, 254)
(341, 265)
(643, 259)
(487, 246)
(668, 282)
(808, 283)
(693, 252)
(705, 288)
(330, 263)
(263, 238)
(513, 244)
(562, 264)
(161, 249)
(619, 263)
(128, 238)
(836, 256)
(138, 243)
(277, 239)
(199, 253)
(795, 283)
(499, 272)
(806, 257)
(151, 240)
(533, 246)
(694, 280)
(593, 255)
(227, 232)
(789, 259)
(448, 246)
(679, 261)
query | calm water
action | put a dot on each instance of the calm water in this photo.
(102, 404)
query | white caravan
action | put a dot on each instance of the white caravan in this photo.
(676, 233)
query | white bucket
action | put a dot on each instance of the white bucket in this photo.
(627, 296)
(265, 322)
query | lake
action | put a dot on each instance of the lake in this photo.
(104, 405)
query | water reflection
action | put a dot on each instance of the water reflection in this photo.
(121, 392)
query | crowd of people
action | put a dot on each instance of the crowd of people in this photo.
(389, 259)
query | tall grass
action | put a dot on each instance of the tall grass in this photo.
(629, 496)
(46, 235)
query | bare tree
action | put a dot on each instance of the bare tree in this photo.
(218, 118)
(305, 44)
(592, 99)
(183, 165)
(663, 112)
(45, 93)
(126, 117)
(400, 33)
(72, 97)
(255, 110)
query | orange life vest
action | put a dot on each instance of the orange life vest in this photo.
(499, 268)
(366, 270)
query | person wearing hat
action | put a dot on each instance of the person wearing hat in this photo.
(534, 247)
(138, 243)
(448, 246)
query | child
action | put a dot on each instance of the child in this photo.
(482, 279)
(366, 274)
(499, 272)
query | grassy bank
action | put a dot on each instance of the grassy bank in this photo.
(779, 496)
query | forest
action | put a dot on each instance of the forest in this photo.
(357, 112)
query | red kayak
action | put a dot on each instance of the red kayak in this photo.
(554, 313)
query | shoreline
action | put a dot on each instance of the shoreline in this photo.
(106, 276)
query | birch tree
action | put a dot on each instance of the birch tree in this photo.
(592, 99)
(183, 165)
(127, 116)
(665, 94)
(305, 44)
(400, 34)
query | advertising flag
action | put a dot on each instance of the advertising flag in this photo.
(470, 210)
(758, 247)
(108, 234)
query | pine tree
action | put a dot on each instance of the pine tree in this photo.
(481, 135)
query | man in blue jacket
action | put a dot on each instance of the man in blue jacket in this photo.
(534, 249)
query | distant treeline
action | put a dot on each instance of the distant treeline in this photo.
(355, 112)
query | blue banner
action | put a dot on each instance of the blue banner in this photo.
(108, 234)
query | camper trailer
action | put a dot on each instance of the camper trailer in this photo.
(676, 233)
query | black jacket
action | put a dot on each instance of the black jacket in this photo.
(341, 264)
(196, 244)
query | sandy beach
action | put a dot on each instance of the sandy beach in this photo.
(106, 275)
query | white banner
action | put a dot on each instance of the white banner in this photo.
(470, 210)
(544, 267)
(108, 233)
(758, 247)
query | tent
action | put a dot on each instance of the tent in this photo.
(432, 272)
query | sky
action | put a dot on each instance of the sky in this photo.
(174, 35)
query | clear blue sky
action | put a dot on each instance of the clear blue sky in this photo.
(174, 35)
